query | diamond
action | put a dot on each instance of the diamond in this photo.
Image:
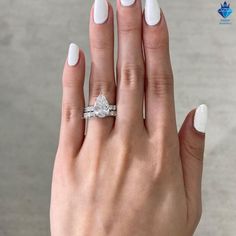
(101, 107)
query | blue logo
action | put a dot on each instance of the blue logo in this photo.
(225, 10)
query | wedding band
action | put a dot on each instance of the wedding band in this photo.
(100, 109)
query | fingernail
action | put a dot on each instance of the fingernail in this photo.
(73, 54)
(152, 12)
(127, 3)
(100, 11)
(200, 118)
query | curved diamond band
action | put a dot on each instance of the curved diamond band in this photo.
(91, 108)
(101, 109)
(89, 115)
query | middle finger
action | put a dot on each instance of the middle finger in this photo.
(130, 65)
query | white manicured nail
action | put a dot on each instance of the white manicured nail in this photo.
(200, 118)
(100, 11)
(152, 12)
(127, 3)
(73, 54)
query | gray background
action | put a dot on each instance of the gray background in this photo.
(34, 36)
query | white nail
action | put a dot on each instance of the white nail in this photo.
(100, 11)
(127, 3)
(73, 54)
(200, 118)
(152, 12)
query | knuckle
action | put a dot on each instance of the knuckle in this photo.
(101, 44)
(131, 75)
(128, 23)
(156, 44)
(193, 150)
(98, 85)
(157, 40)
(69, 82)
(70, 111)
(129, 28)
(160, 84)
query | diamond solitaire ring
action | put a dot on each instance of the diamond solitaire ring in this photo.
(101, 109)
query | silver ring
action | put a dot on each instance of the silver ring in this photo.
(101, 109)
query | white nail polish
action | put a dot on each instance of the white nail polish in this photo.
(73, 54)
(152, 12)
(100, 11)
(200, 118)
(127, 3)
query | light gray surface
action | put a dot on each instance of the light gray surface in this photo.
(34, 36)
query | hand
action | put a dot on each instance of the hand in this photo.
(128, 175)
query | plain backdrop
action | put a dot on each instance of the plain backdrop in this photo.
(34, 38)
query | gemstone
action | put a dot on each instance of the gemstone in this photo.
(101, 107)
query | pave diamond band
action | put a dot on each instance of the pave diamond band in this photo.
(91, 108)
(101, 109)
(89, 115)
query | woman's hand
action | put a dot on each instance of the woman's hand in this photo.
(129, 175)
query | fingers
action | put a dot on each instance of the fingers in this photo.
(160, 112)
(72, 124)
(102, 78)
(130, 66)
(192, 139)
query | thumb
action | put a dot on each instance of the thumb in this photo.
(192, 140)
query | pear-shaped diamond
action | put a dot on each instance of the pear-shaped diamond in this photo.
(101, 107)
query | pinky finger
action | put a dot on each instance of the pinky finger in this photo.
(192, 142)
(72, 123)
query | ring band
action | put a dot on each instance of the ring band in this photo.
(101, 109)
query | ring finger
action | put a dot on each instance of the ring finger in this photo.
(102, 79)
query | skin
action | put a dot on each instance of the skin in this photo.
(129, 175)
